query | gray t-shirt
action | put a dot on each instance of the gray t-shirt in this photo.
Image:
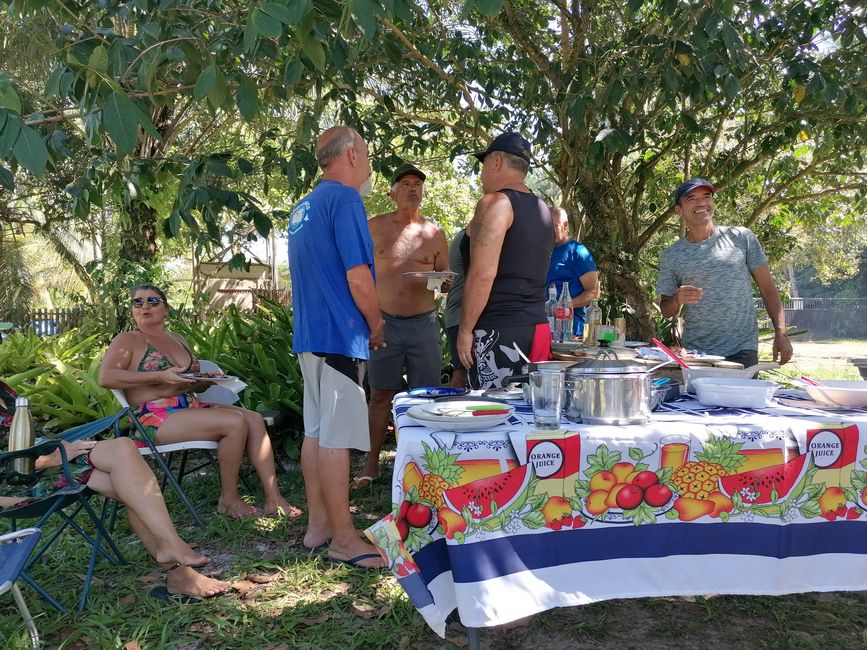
(724, 320)
(454, 298)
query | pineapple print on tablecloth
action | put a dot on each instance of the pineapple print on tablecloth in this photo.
(719, 457)
(442, 473)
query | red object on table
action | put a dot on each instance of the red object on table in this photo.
(668, 351)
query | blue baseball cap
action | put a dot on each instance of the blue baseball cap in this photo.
(510, 143)
(689, 185)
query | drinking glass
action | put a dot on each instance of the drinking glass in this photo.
(546, 391)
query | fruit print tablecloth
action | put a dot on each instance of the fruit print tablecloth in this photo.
(508, 522)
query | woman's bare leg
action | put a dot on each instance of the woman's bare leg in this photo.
(228, 428)
(181, 579)
(121, 473)
(261, 455)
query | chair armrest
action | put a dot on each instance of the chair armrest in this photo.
(18, 534)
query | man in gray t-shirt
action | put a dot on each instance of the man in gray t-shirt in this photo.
(709, 272)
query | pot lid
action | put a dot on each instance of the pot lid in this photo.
(605, 366)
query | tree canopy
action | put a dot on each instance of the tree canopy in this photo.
(185, 115)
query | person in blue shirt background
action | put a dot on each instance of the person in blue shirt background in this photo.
(571, 262)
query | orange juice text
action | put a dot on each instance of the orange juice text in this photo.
(833, 447)
(556, 459)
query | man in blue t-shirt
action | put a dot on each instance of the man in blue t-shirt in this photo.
(336, 319)
(571, 262)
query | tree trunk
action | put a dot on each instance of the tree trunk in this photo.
(139, 233)
(611, 238)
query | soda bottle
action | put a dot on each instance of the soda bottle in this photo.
(551, 310)
(593, 317)
(22, 435)
(564, 315)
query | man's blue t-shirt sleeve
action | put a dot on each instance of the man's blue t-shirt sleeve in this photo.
(352, 235)
(582, 260)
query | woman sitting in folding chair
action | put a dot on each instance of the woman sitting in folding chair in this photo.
(147, 364)
(115, 469)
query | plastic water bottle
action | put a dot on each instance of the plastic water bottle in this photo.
(551, 310)
(22, 435)
(593, 317)
(564, 315)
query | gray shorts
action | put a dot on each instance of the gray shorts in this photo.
(335, 410)
(413, 343)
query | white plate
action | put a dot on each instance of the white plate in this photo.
(430, 274)
(462, 409)
(702, 357)
(446, 423)
(733, 392)
(840, 393)
(508, 394)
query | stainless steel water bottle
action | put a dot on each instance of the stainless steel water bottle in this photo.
(22, 435)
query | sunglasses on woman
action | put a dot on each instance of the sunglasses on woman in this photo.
(152, 301)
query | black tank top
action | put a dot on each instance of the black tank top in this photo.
(518, 293)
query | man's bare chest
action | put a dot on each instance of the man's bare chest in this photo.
(409, 243)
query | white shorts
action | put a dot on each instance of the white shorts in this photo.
(335, 410)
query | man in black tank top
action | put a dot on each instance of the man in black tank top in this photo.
(506, 253)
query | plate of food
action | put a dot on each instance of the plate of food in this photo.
(216, 377)
(460, 419)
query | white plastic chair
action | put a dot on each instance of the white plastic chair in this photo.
(220, 395)
(15, 550)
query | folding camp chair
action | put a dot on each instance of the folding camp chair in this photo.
(43, 507)
(162, 454)
(15, 550)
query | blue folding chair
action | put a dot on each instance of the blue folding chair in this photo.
(44, 507)
(15, 550)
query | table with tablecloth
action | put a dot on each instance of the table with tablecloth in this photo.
(731, 501)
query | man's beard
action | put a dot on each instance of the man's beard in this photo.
(365, 188)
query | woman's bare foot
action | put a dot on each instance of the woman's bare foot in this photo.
(185, 580)
(236, 509)
(185, 556)
(281, 507)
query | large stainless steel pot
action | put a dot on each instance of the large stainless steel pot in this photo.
(536, 366)
(607, 391)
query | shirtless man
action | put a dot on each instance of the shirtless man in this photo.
(403, 241)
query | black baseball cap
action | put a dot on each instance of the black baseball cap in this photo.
(510, 143)
(405, 170)
(689, 185)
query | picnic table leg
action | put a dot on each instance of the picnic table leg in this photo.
(473, 642)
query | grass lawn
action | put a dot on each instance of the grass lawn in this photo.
(286, 597)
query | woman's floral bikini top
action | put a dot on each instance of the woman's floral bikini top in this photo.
(154, 360)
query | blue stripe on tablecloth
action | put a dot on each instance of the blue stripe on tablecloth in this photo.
(417, 590)
(502, 556)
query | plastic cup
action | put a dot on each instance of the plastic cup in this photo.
(546, 394)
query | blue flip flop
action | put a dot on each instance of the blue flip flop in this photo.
(355, 562)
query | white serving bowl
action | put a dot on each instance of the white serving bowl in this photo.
(840, 393)
(734, 392)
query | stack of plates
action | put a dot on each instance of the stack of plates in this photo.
(461, 415)
(852, 394)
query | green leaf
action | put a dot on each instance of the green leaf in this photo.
(810, 509)
(219, 90)
(205, 82)
(731, 86)
(9, 132)
(6, 179)
(262, 223)
(247, 98)
(635, 453)
(285, 15)
(30, 151)
(363, 15)
(250, 35)
(489, 7)
(120, 122)
(98, 59)
(245, 166)
(8, 97)
(314, 51)
(265, 24)
(635, 5)
(292, 72)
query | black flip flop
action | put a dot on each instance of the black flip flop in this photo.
(355, 562)
(162, 592)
